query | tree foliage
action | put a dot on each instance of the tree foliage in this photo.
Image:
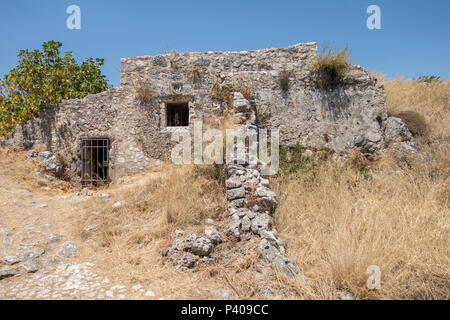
(43, 78)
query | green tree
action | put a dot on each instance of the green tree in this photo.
(43, 78)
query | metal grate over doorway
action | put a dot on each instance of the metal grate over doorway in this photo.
(95, 161)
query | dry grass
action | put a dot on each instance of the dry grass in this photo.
(283, 80)
(195, 75)
(430, 100)
(128, 240)
(161, 202)
(15, 165)
(241, 86)
(223, 92)
(415, 121)
(331, 66)
(339, 220)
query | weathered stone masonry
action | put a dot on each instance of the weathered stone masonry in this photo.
(351, 115)
(252, 204)
(251, 209)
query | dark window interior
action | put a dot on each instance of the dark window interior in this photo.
(177, 114)
(94, 161)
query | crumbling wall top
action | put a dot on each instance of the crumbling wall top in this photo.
(294, 57)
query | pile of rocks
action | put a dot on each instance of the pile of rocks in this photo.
(251, 207)
(50, 161)
(401, 141)
(251, 202)
(186, 252)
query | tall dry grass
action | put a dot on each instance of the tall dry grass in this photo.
(126, 242)
(432, 100)
(339, 221)
(169, 199)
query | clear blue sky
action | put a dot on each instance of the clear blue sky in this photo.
(413, 41)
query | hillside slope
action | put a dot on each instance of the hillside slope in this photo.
(339, 219)
(394, 213)
(120, 233)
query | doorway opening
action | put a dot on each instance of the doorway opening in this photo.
(94, 161)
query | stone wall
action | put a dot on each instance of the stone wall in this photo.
(351, 115)
(114, 114)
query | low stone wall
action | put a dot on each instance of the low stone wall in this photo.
(251, 203)
(251, 207)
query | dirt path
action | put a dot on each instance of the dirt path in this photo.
(33, 228)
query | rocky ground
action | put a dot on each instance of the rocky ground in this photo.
(39, 259)
(52, 246)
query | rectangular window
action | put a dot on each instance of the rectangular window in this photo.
(177, 114)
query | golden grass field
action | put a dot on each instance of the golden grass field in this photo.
(339, 221)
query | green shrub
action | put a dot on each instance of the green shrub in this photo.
(292, 159)
(331, 66)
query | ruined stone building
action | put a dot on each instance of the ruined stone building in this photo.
(129, 127)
